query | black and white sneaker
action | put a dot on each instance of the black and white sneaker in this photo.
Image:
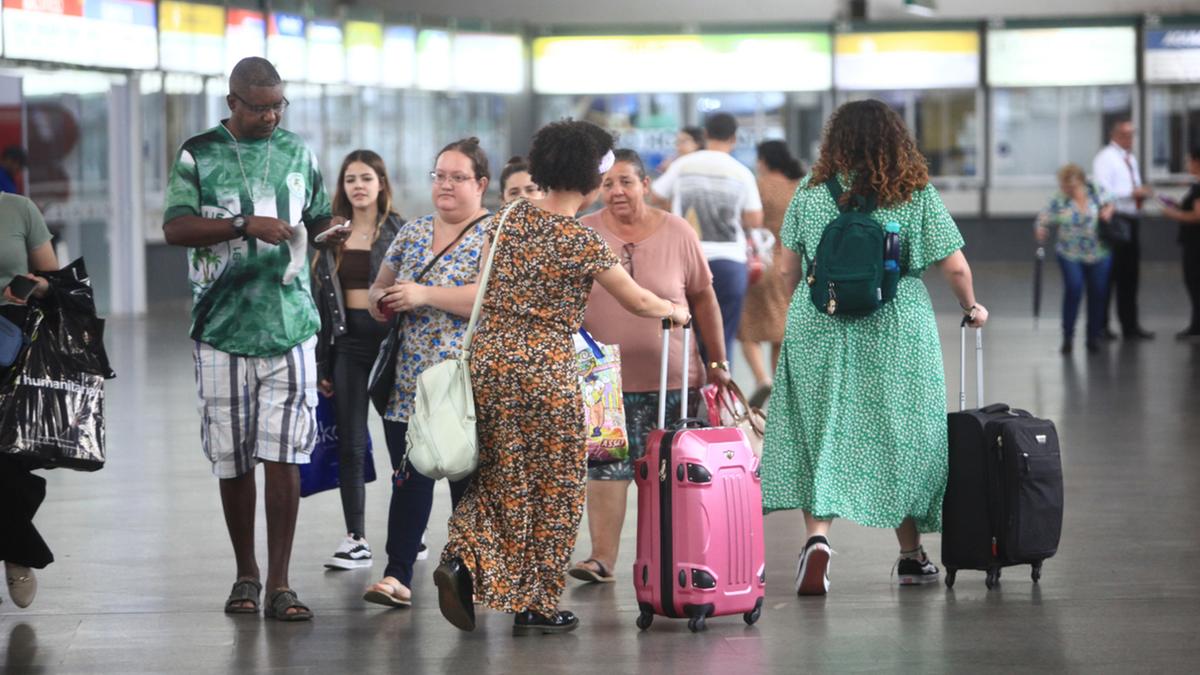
(915, 568)
(812, 572)
(352, 554)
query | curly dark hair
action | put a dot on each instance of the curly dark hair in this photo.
(867, 141)
(566, 156)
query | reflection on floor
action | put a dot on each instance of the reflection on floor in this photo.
(144, 562)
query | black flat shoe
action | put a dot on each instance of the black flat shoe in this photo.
(1139, 334)
(532, 623)
(1093, 347)
(456, 594)
(1066, 348)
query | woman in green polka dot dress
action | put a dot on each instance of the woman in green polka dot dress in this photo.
(857, 425)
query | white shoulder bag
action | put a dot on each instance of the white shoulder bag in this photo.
(442, 441)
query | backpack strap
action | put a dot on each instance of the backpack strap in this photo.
(859, 203)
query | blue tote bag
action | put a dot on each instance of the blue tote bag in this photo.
(321, 473)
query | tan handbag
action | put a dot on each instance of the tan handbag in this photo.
(442, 439)
(732, 410)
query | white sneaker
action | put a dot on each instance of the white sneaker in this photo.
(352, 554)
(22, 584)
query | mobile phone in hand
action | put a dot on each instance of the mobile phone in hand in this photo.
(22, 288)
(1167, 201)
(330, 231)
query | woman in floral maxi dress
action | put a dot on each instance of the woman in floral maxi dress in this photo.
(857, 427)
(512, 534)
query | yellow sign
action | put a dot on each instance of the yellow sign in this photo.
(187, 17)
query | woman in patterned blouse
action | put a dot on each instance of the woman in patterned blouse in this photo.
(434, 311)
(1076, 211)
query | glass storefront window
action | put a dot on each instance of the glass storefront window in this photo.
(759, 117)
(945, 124)
(1075, 118)
(645, 123)
(1173, 114)
(434, 119)
(343, 132)
(805, 122)
(68, 133)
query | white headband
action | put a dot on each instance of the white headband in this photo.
(607, 161)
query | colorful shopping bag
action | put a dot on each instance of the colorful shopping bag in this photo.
(599, 368)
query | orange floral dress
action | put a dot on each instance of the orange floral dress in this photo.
(515, 527)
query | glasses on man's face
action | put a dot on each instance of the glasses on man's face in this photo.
(455, 179)
(627, 257)
(274, 108)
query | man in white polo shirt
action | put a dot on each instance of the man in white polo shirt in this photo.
(1116, 170)
(719, 196)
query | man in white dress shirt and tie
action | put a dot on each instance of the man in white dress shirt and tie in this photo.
(1116, 170)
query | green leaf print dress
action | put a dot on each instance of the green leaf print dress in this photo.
(857, 421)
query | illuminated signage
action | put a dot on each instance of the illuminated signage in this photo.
(1062, 57)
(245, 35)
(191, 37)
(287, 46)
(326, 52)
(906, 60)
(399, 56)
(364, 52)
(682, 63)
(1173, 56)
(107, 33)
(485, 62)
(433, 60)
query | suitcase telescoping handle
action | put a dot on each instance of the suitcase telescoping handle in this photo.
(662, 374)
(962, 366)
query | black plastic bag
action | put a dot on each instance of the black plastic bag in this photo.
(52, 398)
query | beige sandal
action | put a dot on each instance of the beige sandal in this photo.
(388, 595)
(600, 575)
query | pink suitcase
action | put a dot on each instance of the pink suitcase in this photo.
(700, 521)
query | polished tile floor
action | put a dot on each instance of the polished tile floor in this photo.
(144, 563)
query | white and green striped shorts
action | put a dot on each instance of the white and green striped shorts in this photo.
(256, 409)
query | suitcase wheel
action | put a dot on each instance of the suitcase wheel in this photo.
(644, 620)
(993, 578)
(951, 573)
(1036, 574)
(752, 616)
(696, 623)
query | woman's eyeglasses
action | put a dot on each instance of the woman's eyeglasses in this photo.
(455, 178)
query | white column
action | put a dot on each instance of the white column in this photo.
(126, 238)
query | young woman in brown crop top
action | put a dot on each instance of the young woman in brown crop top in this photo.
(349, 337)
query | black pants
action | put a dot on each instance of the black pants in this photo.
(1191, 279)
(21, 493)
(1127, 260)
(412, 501)
(354, 354)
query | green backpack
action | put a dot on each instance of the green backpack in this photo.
(847, 276)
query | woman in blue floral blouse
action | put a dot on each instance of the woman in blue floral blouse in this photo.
(1075, 212)
(435, 311)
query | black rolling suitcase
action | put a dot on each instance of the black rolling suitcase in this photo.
(1004, 493)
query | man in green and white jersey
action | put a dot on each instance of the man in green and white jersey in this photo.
(246, 198)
